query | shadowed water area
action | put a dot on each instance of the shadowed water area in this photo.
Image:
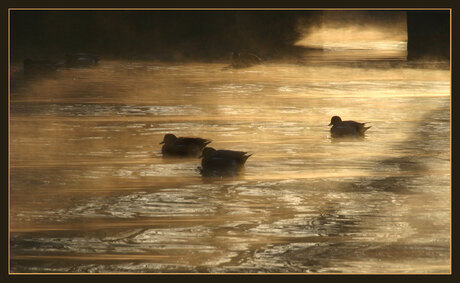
(90, 191)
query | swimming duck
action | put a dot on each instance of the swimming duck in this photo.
(81, 59)
(222, 162)
(182, 146)
(347, 128)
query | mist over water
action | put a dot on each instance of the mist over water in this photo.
(90, 191)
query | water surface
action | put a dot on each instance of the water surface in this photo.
(90, 192)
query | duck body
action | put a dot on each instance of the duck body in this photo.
(222, 162)
(81, 60)
(347, 128)
(182, 146)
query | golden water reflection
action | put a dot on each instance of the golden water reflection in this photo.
(90, 191)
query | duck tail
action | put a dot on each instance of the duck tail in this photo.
(366, 128)
(247, 156)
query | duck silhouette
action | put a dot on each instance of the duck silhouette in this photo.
(347, 128)
(222, 162)
(182, 146)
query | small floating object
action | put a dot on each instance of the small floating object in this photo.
(347, 128)
(244, 60)
(81, 60)
(182, 146)
(222, 162)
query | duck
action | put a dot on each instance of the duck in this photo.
(182, 146)
(222, 162)
(81, 60)
(347, 128)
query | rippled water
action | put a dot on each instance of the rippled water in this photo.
(90, 192)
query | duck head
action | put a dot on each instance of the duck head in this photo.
(335, 120)
(168, 138)
(207, 151)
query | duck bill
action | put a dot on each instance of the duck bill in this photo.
(330, 124)
(162, 142)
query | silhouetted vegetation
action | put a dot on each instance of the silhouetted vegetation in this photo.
(166, 35)
(428, 35)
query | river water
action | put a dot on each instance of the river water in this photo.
(90, 191)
